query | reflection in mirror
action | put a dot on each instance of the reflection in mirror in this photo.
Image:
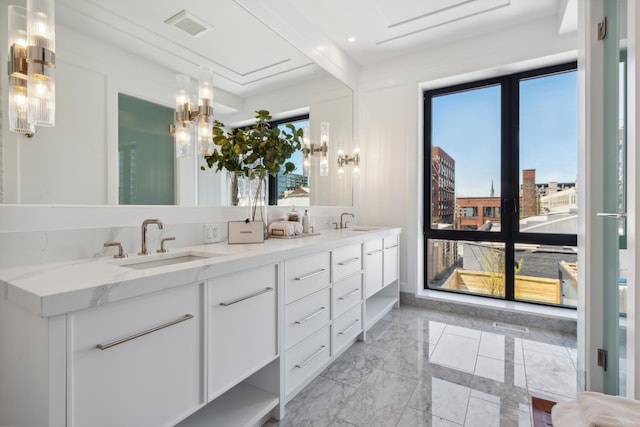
(145, 153)
(100, 54)
(291, 189)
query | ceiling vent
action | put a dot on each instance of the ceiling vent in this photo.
(187, 23)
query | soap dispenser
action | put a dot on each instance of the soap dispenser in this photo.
(305, 221)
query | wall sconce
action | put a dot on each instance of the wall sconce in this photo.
(194, 122)
(344, 159)
(31, 67)
(309, 149)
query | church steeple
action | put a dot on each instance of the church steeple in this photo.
(492, 190)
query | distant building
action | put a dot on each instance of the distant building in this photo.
(291, 181)
(546, 189)
(443, 186)
(477, 212)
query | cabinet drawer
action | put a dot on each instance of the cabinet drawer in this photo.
(346, 327)
(306, 316)
(306, 275)
(148, 368)
(346, 294)
(306, 358)
(345, 261)
(242, 326)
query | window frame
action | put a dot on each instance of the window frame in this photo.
(509, 233)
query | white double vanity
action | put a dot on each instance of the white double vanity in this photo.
(215, 335)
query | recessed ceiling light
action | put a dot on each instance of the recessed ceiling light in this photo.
(351, 39)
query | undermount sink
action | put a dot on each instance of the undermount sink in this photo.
(363, 228)
(161, 260)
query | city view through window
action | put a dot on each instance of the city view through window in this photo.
(293, 188)
(505, 194)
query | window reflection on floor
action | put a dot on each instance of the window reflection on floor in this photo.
(421, 367)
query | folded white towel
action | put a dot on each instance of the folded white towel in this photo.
(281, 228)
(297, 227)
(592, 409)
(601, 410)
(567, 414)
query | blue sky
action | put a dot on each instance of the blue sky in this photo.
(466, 125)
(297, 157)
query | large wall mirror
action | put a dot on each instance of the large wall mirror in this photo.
(115, 59)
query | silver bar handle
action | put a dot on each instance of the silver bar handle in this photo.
(375, 252)
(309, 317)
(353, 325)
(264, 291)
(612, 215)
(141, 334)
(313, 356)
(353, 292)
(349, 261)
(315, 273)
(392, 246)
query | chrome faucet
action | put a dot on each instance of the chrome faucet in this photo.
(344, 225)
(144, 233)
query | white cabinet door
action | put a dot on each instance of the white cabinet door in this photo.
(373, 266)
(136, 362)
(242, 326)
(390, 260)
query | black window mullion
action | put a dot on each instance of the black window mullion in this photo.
(509, 164)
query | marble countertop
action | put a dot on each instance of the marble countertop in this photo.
(57, 288)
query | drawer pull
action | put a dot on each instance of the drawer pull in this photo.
(264, 291)
(374, 252)
(309, 317)
(353, 292)
(313, 356)
(140, 334)
(315, 273)
(353, 325)
(349, 261)
(391, 247)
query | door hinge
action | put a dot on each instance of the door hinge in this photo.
(602, 358)
(602, 29)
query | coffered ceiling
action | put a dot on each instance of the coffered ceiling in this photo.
(245, 47)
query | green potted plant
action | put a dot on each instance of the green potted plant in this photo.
(254, 152)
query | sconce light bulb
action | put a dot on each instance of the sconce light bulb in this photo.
(340, 170)
(20, 100)
(306, 162)
(340, 152)
(356, 150)
(356, 170)
(324, 167)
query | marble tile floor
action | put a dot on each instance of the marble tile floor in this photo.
(420, 367)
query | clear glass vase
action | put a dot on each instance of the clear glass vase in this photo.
(259, 198)
(238, 189)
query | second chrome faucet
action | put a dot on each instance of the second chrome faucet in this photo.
(145, 223)
(343, 224)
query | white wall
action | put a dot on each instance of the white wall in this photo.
(390, 120)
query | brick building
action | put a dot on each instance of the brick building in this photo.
(475, 212)
(443, 186)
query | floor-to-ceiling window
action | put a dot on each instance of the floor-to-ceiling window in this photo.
(501, 167)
